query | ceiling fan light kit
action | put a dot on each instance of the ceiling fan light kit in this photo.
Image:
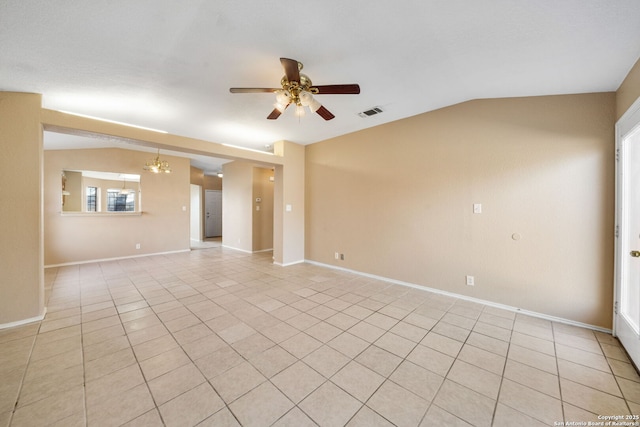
(297, 89)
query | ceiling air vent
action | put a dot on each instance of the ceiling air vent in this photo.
(371, 112)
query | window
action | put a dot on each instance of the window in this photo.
(92, 199)
(117, 202)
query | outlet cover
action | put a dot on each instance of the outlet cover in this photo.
(470, 281)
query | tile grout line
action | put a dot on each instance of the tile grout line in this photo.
(457, 358)
(181, 347)
(84, 367)
(157, 408)
(504, 369)
(226, 405)
(615, 377)
(179, 271)
(560, 391)
(24, 375)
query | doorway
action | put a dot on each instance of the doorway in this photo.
(195, 221)
(626, 324)
(213, 213)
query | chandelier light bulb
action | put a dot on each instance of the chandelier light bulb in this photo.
(283, 97)
(305, 98)
(280, 107)
(314, 105)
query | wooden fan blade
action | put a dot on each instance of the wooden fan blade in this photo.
(276, 113)
(252, 90)
(324, 113)
(291, 69)
(350, 89)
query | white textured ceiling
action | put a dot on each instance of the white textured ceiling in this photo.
(168, 64)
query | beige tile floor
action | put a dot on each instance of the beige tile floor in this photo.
(208, 243)
(218, 338)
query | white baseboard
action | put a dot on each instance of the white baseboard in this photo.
(237, 249)
(246, 251)
(24, 321)
(115, 259)
(302, 261)
(467, 298)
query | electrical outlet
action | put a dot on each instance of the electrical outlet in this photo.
(137, 245)
(337, 255)
(470, 281)
(341, 257)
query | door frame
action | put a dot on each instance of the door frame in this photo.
(628, 123)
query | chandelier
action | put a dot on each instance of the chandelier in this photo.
(125, 191)
(299, 94)
(157, 166)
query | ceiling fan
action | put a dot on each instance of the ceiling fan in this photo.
(298, 90)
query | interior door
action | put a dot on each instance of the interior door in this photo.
(627, 301)
(213, 213)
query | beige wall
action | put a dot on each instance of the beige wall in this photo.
(289, 182)
(196, 176)
(21, 259)
(237, 218)
(21, 188)
(207, 182)
(212, 183)
(628, 91)
(262, 218)
(289, 192)
(244, 227)
(397, 200)
(162, 227)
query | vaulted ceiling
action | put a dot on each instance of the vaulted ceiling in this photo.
(169, 64)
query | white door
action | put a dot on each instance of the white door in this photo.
(213, 213)
(195, 221)
(627, 301)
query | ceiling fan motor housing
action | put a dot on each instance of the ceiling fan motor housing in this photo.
(294, 88)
